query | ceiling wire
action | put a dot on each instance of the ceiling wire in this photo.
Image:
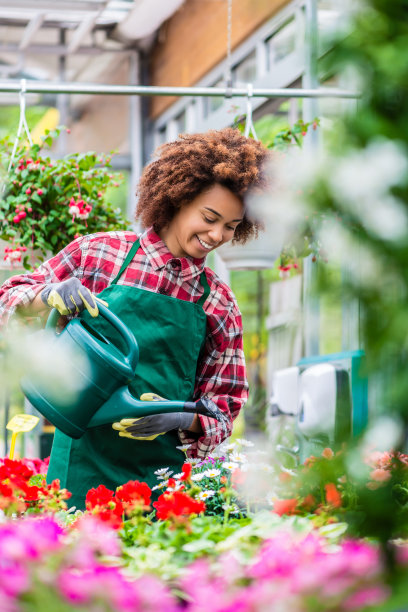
(228, 75)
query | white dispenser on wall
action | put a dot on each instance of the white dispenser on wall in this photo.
(326, 395)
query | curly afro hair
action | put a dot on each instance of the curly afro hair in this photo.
(194, 163)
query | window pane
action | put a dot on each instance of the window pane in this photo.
(212, 104)
(181, 122)
(282, 43)
(330, 16)
(245, 71)
(161, 135)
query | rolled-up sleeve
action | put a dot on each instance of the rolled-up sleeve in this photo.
(221, 377)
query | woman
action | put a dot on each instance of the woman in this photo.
(186, 320)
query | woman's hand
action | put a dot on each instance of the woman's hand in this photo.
(149, 427)
(69, 297)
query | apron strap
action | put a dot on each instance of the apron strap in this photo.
(204, 283)
(132, 253)
(128, 259)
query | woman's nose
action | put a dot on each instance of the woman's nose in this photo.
(216, 233)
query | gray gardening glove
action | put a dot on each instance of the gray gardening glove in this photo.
(149, 427)
(69, 297)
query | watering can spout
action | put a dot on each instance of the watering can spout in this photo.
(123, 405)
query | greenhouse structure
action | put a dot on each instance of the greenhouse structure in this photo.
(241, 167)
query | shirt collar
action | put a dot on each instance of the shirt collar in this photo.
(160, 256)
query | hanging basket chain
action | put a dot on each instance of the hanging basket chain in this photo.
(22, 123)
(249, 125)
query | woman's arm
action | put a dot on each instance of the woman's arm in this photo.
(221, 378)
(21, 293)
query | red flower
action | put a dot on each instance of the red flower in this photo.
(285, 506)
(101, 503)
(98, 497)
(134, 495)
(333, 496)
(177, 504)
(186, 469)
(12, 468)
(327, 453)
(308, 502)
(237, 477)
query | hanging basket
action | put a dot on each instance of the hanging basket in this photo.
(258, 254)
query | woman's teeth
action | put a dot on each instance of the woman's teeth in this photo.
(204, 244)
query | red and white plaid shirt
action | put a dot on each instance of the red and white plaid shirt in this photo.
(96, 260)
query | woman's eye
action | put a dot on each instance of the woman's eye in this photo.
(209, 220)
(232, 229)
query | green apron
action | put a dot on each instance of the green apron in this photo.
(170, 333)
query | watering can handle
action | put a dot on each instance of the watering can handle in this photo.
(133, 350)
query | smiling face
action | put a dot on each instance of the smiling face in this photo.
(203, 224)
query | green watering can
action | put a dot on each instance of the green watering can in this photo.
(103, 394)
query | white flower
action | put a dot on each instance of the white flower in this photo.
(238, 458)
(212, 473)
(243, 442)
(197, 477)
(179, 485)
(161, 471)
(230, 465)
(161, 485)
(362, 181)
(265, 467)
(206, 494)
(164, 475)
(178, 476)
(184, 447)
(232, 509)
(270, 497)
(230, 447)
(74, 210)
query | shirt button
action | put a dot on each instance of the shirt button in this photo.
(162, 290)
(175, 264)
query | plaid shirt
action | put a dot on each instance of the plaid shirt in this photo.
(96, 260)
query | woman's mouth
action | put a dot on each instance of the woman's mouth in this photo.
(204, 244)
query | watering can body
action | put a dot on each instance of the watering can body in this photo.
(101, 393)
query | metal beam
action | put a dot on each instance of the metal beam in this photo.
(82, 30)
(60, 6)
(59, 49)
(151, 90)
(33, 26)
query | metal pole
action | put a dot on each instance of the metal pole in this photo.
(135, 136)
(62, 100)
(311, 311)
(150, 90)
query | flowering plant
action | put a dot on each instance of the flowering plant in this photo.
(24, 490)
(48, 202)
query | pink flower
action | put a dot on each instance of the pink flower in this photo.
(28, 191)
(380, 475)
(368, 596)
(40, 192)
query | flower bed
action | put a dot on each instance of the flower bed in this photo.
(206, 544)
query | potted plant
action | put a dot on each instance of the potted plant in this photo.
(46, 202)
